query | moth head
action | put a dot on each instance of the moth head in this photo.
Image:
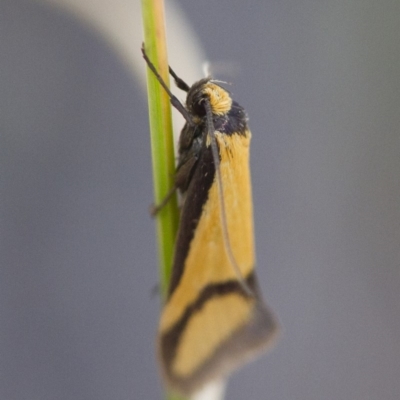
(206, 89)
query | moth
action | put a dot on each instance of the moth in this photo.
(214, 318)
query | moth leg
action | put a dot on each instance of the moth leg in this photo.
(173, 99)
(156, 208)
(182, 179)
(179, 82)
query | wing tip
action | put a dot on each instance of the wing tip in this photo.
(245, 345)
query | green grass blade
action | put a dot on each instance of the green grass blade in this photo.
(162, 148)
(161, 136)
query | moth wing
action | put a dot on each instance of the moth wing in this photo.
(209, 325)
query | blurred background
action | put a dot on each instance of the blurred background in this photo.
(320, 81)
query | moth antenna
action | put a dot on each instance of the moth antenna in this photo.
(225, 233)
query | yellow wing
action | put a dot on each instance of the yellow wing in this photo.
(209, 324)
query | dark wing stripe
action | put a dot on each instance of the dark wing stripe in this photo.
(257, 334)
(170, 339)
(196, 195)
(246, 342)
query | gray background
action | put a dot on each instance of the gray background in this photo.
(320, 80)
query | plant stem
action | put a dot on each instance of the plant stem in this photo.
(162, 148)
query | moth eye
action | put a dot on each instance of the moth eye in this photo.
(198, 108)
